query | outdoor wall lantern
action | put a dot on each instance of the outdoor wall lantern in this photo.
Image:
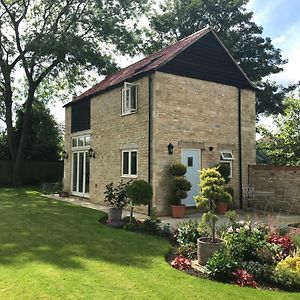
(211, 148)
(65, 155)
(92, 153)
(170, 149)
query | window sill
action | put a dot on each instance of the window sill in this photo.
(129, 113)
(129, 176)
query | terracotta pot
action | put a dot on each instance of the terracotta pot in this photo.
(206, 248)
(114, 214)
(178, 211)
(222, 208)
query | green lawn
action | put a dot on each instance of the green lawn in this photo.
(54, 250)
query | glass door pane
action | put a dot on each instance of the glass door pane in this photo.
(87, 173)
(80, 166)
(75, 162)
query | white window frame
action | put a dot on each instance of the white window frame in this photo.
(127, 101)
(84, 146)
(129, 175)
(227, 160)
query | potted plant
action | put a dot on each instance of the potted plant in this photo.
(211, 190)
(117, 200)
(179, 188)
(140, 193)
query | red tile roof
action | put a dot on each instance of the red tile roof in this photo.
(149, 63)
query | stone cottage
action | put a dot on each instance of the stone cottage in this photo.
(189, 103)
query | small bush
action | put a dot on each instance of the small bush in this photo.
(181, 263)
(296, 241)
(140, 192)
(243, 278)
(188, 250)
(150, 226)
(177, 169)
(224, 170)
(287, 273)
(221, 266)
(116, 196)
(285, 242)
(187, 232)
(258, 270)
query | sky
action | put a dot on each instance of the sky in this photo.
(280, 20)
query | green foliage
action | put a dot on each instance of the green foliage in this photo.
(287, 273)
(211, 190)
(139, 192)
(296, 241)
(188, 250)
(187, 232)
(283, 147)
(234, 24)
(221, 265)
(116, 196)
(179, 186)
(44, 137)
(151, 226)
(177, 169)
(4, 150)
(224, 170)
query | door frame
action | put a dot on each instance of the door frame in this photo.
(85, 154)
(200, 162)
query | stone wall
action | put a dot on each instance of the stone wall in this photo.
(276, 180)
(199, 114)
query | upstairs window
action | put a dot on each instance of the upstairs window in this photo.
(226, 159)
(129, 98)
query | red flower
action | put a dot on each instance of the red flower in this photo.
(181, 263)
(243, 278)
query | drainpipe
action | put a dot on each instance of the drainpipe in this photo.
(150, 95)
(240, 147)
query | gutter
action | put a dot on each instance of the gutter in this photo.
(240, 147)
(150, 96)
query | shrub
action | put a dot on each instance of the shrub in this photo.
(116, 196)
(177, 169)
(287, 273)
(179, 186)
(285, 242)
(221, 265)
(243, 278)
(258, 270)
(188, 250)
(181, 263)
(140, 192)
(150, 226)
(224, 170)
(187, 232)
(296, 241)
(211, 191)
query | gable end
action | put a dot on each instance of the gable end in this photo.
(207, 60)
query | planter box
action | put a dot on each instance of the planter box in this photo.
(206, 248)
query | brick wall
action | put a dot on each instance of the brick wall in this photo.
(189, 112)
(276, 179)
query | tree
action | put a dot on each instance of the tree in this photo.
(283, 147)
(47, 39)
(44, 137)
(242, 37)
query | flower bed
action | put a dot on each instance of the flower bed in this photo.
(251, 255)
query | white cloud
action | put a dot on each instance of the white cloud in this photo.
(279, 40)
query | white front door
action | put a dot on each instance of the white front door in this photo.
(191, 159)
(80, 173)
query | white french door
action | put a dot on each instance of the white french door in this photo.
(80, 173)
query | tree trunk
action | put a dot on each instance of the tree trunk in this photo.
(10, 130)
(17, 179)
